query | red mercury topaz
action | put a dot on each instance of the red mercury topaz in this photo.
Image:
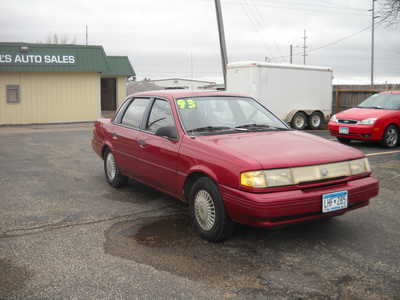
(231, 160)
(376, 119)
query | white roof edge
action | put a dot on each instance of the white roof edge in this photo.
(186, 79)
(243, 64)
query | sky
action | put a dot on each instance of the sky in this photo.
(178, 38)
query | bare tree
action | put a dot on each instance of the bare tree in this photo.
(390, 10)
(60, 39)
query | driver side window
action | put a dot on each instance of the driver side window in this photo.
(160, 116)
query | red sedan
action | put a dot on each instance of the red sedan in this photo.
(231, 159)
(376, 119)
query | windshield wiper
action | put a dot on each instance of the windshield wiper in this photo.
(255, 126)
(210, 128)
(251, 125)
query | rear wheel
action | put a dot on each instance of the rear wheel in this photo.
(344, 140)
(316, 120)
(390, 136)
(299, 121)
(208, 212)
(113, 174)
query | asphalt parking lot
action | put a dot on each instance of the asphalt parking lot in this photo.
(66, 234)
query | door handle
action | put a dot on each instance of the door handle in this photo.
(141, 143)
(114, 135)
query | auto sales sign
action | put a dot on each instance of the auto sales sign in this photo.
(37, 59)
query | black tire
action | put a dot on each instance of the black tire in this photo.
(316, 120)
(118, 180)
(222, 226)
(390, 137)
(299, 121)
(344, 140)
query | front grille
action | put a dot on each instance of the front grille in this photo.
(346, 121)
(324, 182)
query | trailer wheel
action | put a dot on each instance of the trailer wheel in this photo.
(316, 120)
(299, 121)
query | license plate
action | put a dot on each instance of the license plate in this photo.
(344, 130)
(334, 201)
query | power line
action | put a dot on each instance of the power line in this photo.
(305, 4)
(315, 5)
(261, 22)
(334, 42)
(305, 7)
(257, 22)
(255, 25)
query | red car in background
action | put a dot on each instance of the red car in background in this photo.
(376, 119)
(231, 159)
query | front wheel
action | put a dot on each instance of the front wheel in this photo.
(390, 136)
(113, 174)
(208, 212)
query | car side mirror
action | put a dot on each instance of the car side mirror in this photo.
(168, 132)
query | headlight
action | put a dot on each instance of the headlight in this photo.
(359, 166)
(333, 119)
(369, 121)
(267, 178)
(279, 177)
(291, 176)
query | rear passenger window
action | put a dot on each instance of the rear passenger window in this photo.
(134, 113)
(121, 111)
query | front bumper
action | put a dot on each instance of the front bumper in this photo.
(279, 208)
(356, 132)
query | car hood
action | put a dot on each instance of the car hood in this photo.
(280, 149)
(363, 113)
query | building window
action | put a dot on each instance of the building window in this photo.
(12, 92)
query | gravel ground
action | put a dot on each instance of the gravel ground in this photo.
(66, 234)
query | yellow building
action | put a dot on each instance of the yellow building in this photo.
(51, 83)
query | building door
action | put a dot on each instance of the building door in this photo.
(108, 94)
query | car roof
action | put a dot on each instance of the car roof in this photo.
(184, 93)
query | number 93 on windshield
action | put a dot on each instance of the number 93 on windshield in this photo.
(186, 104)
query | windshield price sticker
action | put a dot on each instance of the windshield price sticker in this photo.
(186, 104)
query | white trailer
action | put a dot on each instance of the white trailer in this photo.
(300, 95)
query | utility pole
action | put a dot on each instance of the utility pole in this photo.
(373, 42)
(291, 53)
(304, 47)
(86, 35)
(222, 43)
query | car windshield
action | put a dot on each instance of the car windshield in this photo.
(225, 114)
(382, 101)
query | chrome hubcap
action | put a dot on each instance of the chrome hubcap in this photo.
(299, 122)
(391, 137)
(111, 168)
(204, 210)
(315, 121)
